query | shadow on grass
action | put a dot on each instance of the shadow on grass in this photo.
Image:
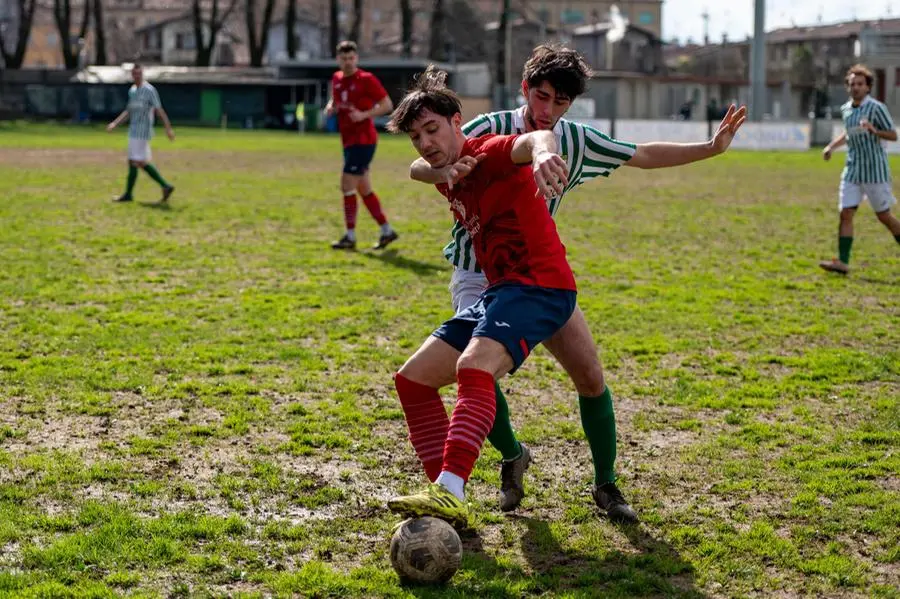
(165, 206)
(655, 569)
(392, 258)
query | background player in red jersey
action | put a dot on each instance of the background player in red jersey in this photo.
(530, 295)
(357, 97)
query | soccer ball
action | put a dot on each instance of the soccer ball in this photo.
(425, 550)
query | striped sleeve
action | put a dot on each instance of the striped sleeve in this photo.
(154, 98)
(602, 154)
(881, 118)
(480, 125)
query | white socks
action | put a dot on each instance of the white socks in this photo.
(386, 229)
(453, 483)
(351, 234)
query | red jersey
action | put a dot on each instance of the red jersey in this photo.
(514, 237)
(361, 90)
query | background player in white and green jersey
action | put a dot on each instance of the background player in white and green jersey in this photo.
(552, 78)
(867, 124)
(143, 104)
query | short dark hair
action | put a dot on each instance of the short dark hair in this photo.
(863, 70)
(563, 68)
(136, 65)
(428, 92)
(346, 46)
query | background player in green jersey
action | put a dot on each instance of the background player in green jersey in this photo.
(143, 105)
(867, 124)
(552, 78)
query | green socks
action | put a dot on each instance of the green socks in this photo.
(597, 418)
(897, 238)
(844, 245)
(132, 179)
(154, 174)
(502, 435)
(599, 423)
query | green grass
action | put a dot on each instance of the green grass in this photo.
(197, 401)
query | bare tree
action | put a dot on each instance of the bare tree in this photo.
(258, 41)
(13, 58)
(213, 26)
(99, 33)
(333, 26)
(406, 28)
(290, 23)
(356, 27)
(466, 32)
(437, 48)
(62, 14)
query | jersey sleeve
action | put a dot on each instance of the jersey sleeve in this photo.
(498, 153)
(599, 154)
(881, 118)
(480, 125)
(375, 89)
(154, 98)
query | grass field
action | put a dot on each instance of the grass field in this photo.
(197, 400)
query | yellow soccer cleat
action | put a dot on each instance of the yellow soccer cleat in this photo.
(435, 501)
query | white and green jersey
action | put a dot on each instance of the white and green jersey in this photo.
(142, 102)
(588, 153)
(866, 159)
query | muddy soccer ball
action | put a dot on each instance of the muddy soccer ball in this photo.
(425, 550)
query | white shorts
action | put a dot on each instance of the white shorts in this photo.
(139, 150)
(465, 287)
(881, 195)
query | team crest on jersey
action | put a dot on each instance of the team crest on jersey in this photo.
(471, 225)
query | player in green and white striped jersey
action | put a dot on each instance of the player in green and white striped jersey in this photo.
(552, 78)
(143, 104)
(867, 123)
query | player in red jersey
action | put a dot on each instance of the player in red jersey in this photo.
(498, 193)
(357, 97)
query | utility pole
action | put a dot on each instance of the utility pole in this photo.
(758, 63)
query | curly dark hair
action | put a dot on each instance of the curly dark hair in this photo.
(861, 70)
(429, 91)
(563, 68)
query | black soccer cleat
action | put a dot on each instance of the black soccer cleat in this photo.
(608, 497)
(344, 243)
(123, 198)
(384, 240)
(512, 486)
(167, 191)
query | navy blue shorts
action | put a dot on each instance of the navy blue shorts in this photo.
(357, 159)
(517, 316)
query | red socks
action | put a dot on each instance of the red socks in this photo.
(427, 421)
(472, 420)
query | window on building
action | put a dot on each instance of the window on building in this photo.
(645, 18)
(897, 77)
(572, 17)
(185, 41)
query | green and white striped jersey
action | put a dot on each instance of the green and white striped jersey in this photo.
(866, 159)
(142, 101)
(588, 153)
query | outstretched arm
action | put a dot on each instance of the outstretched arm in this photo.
(662, 154)
(117, 121)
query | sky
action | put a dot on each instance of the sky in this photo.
(684, 18)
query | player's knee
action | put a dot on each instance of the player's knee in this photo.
(590, 386)
(847, 214)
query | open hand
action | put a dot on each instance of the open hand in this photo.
(733, 120)
(357, 115)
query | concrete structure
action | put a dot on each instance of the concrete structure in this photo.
(639, 51)
(171, 42)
